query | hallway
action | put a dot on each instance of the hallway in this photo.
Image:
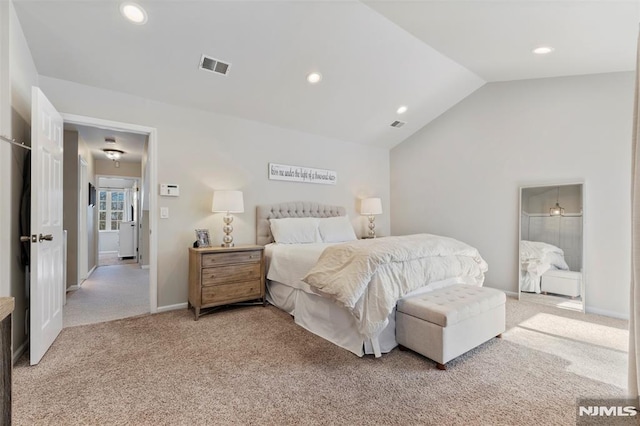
(107, 259)
(112, 292)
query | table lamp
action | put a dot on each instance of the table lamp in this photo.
(227, 202)
(371, 207)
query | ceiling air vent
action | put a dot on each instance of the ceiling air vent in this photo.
(398, 123)
(110, 139)
(210, 64)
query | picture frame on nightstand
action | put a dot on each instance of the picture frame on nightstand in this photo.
(202, 238)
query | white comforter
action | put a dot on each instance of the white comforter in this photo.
(536, 258)
(368, 277)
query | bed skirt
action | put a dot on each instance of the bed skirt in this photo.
(324, 318)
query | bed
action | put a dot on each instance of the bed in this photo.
(296, 281)
(536, 259)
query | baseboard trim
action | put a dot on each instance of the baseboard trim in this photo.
(172, 307)
(18, 352)
(607, 313)
(508, 293)
(144, 266)
(91, 271)
(73, 288)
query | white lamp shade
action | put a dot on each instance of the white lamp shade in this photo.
(227, 201)
(369, 206)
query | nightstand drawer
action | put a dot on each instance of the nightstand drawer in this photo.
(230, 273)
(225, 275)
(231, 292)
(213, 259)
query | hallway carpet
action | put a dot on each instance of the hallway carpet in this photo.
(105, 259)
(111, 292)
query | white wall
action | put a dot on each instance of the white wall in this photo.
(459, 176)
(125, 168)
(203, 151)
(92, 212)
(17, 74)
(536, 202)
(108, 242)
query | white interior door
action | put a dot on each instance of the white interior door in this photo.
(46, 226)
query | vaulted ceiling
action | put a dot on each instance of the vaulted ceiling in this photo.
(374, 56)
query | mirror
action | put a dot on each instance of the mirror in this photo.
(551, 245)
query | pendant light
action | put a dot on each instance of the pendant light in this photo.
(557, 210)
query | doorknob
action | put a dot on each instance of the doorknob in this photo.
(47, 237)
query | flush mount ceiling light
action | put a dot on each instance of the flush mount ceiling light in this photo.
(314, 77)
(134, 13)
(543, 50)
(402, 109)
(113, 154)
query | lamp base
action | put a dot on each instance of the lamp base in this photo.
(372, 226)
(227, 240)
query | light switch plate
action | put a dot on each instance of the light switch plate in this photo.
(164, 212)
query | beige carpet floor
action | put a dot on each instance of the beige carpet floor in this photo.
(253, 365)
(111, 292)
(105, 259)
(553, 300)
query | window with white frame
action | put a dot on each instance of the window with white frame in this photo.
(110, 210)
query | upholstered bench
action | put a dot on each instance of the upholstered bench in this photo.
(447, 322)
(566, 283)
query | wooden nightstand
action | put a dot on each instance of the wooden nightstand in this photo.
(225, 275)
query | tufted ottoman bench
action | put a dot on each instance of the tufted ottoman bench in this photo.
(447, 322)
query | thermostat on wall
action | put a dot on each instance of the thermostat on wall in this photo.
(169, 189)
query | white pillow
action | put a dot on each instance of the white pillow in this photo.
(295, 230)
(336, 229)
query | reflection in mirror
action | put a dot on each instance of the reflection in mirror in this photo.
(551, 245)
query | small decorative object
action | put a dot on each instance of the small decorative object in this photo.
(371, 207)
(202, 238)
(227, 202)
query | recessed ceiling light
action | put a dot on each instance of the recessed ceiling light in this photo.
(402, 109)
(133, 12)
(314, 77)
(543, 50)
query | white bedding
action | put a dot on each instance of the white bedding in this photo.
(368, 277)
(287, 264)
(536, 258)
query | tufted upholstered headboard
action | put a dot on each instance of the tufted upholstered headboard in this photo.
(293, 209)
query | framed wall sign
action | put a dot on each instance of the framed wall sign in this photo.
(302, 174)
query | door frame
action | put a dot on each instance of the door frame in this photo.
(138, 181)
(152, 163)
(83, 195)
